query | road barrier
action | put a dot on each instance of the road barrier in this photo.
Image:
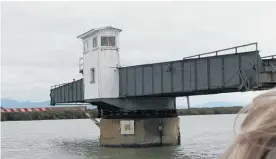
(41, 109)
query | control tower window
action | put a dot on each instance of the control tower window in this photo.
(92, 75)
(94, 42)
(85, 46)
(108, 41)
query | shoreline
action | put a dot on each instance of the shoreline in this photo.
(70, 114)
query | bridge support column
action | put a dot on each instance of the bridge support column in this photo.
(139, 132)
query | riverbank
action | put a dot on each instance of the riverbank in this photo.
(70, 114)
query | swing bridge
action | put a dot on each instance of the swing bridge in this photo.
(137, 104)
(202, 74)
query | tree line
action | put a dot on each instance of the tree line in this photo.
(46, 115)
(69, 114)
(207, 111)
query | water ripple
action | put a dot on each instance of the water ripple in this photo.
(202, 137)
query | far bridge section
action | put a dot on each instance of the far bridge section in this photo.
(268, 75)
(198, 74)
(71, 92)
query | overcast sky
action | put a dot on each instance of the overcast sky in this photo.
(39, 45)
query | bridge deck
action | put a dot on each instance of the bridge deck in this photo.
(195, 75)
(207, 75)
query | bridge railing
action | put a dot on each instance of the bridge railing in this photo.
(216, 53)
(269, 57)
(59, 85)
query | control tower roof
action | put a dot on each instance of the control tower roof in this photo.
(93, 31)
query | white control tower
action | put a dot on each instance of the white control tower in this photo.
(100, 62)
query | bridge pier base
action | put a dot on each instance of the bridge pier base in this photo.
(141, 132)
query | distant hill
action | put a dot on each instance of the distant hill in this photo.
(214, 104)
(10, 103)
(221, 104)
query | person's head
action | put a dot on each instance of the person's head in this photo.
(257, 137)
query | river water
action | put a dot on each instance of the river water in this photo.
(201, 137)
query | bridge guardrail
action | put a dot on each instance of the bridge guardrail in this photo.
(59, 85)
(217, 51)
(269, 57)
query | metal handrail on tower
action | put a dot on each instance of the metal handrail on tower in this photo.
(217, 51)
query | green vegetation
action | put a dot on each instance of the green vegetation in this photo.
(53, 115)
(46, 115)
(207, 111)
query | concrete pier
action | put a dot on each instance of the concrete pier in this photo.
(140, 132)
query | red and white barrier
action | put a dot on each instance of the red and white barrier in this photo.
(81, 108)
(24, 109)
